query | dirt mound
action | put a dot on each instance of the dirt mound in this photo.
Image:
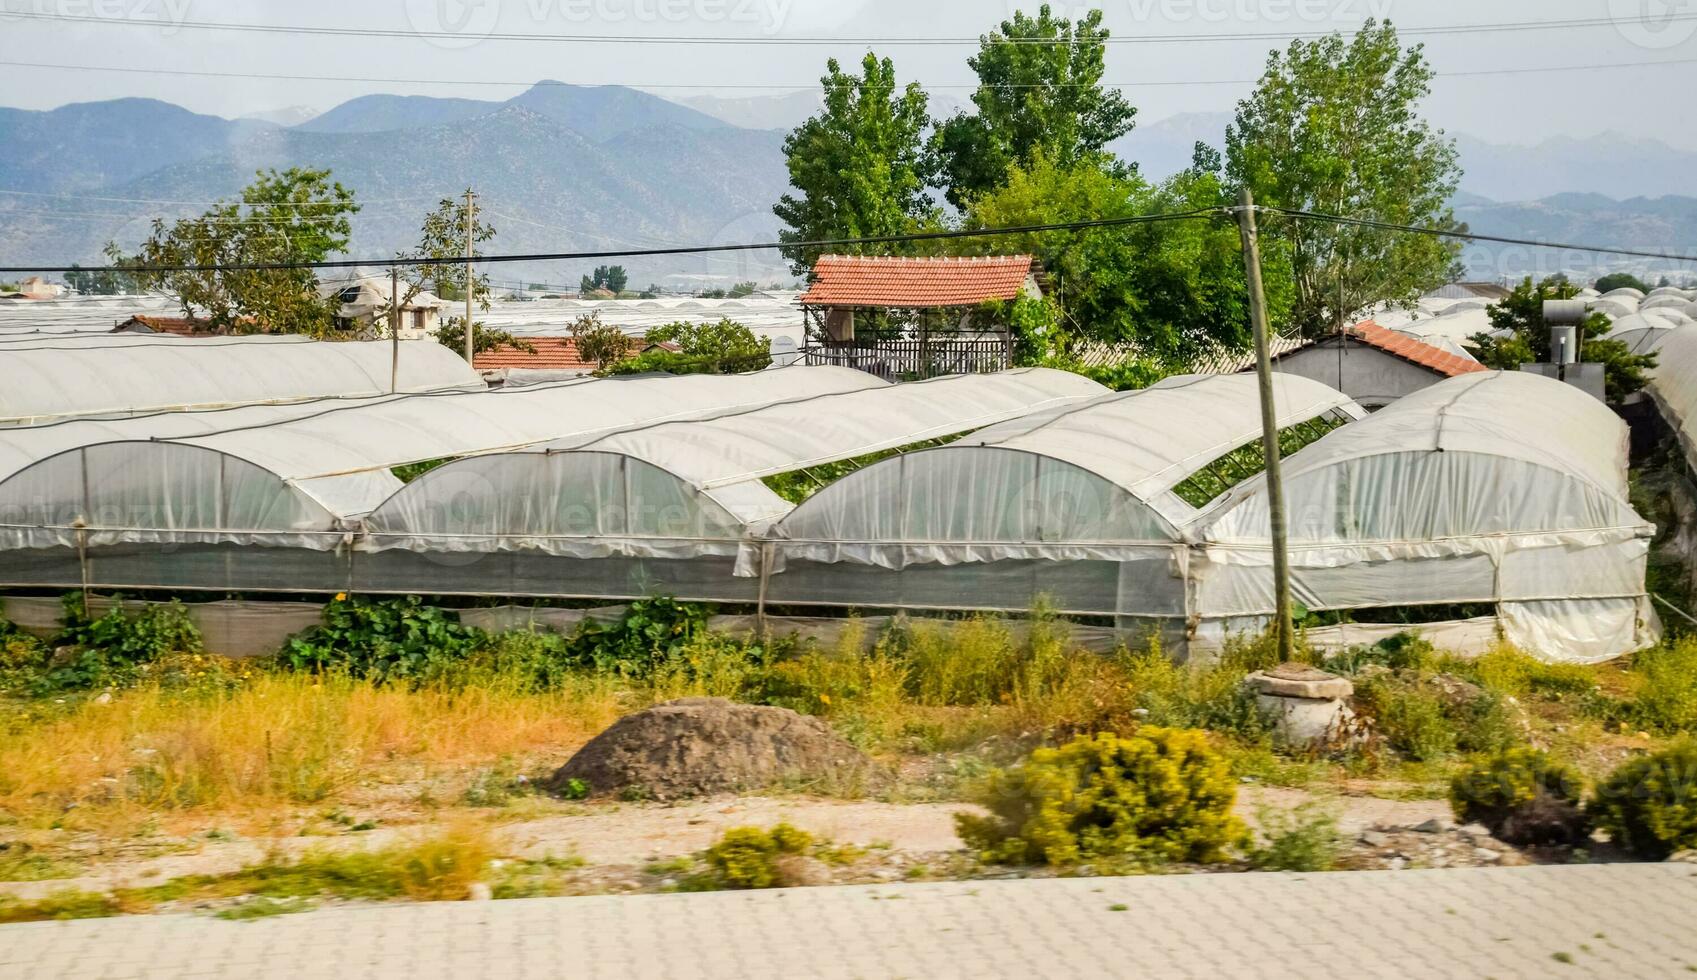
(698, 746)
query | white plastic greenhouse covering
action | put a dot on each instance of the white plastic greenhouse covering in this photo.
(1077, 503)
(272, 475)
(1673, 386)
(1492, 487)
(1642, 331)
(52, 379)
(689, 489)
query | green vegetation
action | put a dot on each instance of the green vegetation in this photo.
(1333, 126)
(1232, 468)
(611, 278)
(1620, 280)
(1522, 798)
(752, 857)
(798, 485)
(725, 347)
(1522, 313)
(116, 648)
(296, 215)
(1649, 804)
(1155, 796)
(1303, 839)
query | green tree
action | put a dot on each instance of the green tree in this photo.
(293, 216)
(1620, 280)
(612, 278)
(101, 282)
(442, 236)
(1334, 127)
(600, 343)
(1522, 312)
(725, 347)
(1039, 90)
(860, 165)
(1171, 290)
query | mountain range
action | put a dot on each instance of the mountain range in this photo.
(592, 168)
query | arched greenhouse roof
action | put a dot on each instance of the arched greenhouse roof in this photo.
(1083, 481)
(1642, 331)
(1478, 454)
(46, 381)
(509, 501)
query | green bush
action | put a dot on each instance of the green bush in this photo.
(1427, 718)
(751, 857)
(1649, 804)
(651, 635)
(1303, 839)
(1666, 696)
(1158, 795)
(397, 639)
(1522, 798)
(107, 650)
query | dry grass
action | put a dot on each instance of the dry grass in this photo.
(278, 739)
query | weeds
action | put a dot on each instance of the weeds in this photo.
(1303, 839)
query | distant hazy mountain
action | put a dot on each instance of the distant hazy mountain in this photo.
(1163, 148)
(292, 115)
(597, 112)
(92, 145)
(545, 186)
(563, 167)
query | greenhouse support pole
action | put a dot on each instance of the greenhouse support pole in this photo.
(1282, 627)
(394, 329)
(470, 223)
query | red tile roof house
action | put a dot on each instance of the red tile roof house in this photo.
(903, 317)
(1373, 365)
(557, 356)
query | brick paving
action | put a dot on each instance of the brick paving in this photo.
(1581, 920)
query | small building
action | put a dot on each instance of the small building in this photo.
(1373, 365)
(553, 359)
(900, 317)
(365, 302)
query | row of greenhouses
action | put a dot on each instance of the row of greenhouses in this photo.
(1491, 494)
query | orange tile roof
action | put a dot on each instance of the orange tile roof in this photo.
(1414, 351)
(552, 354)
(864, 280)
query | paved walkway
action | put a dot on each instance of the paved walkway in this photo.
(1593, 920)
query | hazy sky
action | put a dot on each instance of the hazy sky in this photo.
(1160, 78)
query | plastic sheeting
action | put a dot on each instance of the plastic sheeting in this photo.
(46, 381)
(1493, 487)
(1087, 482)
(1642, 332)
(305, 474)
(689, 488)
(1673, 385)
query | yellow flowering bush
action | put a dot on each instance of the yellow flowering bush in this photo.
(1161, 794)
(1522, 797)
(1649, 803)
(751, 857)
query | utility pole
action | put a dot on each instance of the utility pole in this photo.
(394, 328)
(470, 223)
(1269, 425)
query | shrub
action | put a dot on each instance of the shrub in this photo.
(752, 857)
(1158, 795)
(397, 639)
(110, 649)
(1430, 717)
(1649, 804)
(1303, 839)
(1666, 696)
(1522, 798)
(650, 635)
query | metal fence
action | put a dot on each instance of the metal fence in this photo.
(907, 360)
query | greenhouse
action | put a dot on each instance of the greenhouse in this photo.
(206, 483)
(665, 506)
(1503, 490)
(1641, 332)
(48, 379)
(1089, 505)
(1673, 386)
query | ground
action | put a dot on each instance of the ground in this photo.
(1582, 920)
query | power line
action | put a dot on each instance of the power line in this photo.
(634, 253)
(959, 233)
(992, 38)
(1472, 236)
(809, 86)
